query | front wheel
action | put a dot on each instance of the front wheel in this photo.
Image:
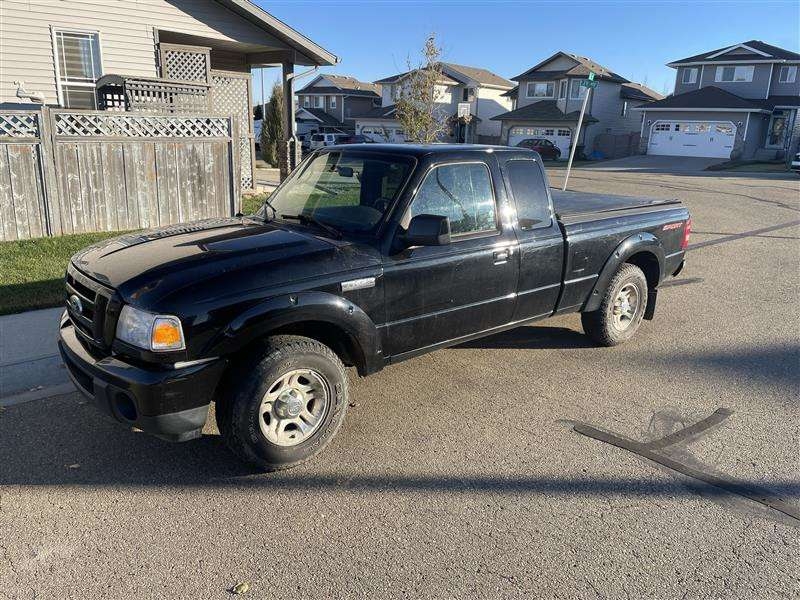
(621, 310)
(286, 406)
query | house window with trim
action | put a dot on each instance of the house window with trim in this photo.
(576, 90)
(689, 76)
(734, 74)
(319, 101)
(78, 67)
(562, 89)
(624, 111)
(540, 89)
(306, 101)
(333, 102)
(787, 74)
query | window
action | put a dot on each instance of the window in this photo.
(689, 76)
(576, 90)
(467, 94)
(307, 101)
(395, 90)
(333, 102)
(349, 190)
(319, 101)
(463, 193)
(544, 89)
(624, 111)
(788, 74)
(530, 194)
(663, 127)
(732, 73)
(564, 133)
(78, 66)
(562, 89)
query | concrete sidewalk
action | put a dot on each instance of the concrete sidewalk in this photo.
(30, 367)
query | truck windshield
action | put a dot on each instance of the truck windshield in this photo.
(349, 191)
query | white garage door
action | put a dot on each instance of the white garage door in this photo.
(560, 136)
(713, 139)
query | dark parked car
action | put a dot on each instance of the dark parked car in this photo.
(547, 149)
(364, 257)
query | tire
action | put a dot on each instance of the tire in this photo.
(289, 376)
(601, 325)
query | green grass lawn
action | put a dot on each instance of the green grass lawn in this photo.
(32, 271)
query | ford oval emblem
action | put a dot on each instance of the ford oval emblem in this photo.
(75, 304)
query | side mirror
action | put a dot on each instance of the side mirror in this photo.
(428, 230)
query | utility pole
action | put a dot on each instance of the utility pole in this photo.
(589, 84)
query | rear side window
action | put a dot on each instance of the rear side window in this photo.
(463, 193)
(530, 194)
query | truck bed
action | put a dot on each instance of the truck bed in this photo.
(583, 206)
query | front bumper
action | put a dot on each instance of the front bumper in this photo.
(796, 165)
(171, 403)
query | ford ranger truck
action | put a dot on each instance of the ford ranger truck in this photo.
(367, 255)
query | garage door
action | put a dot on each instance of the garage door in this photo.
(713, 139)
(560, 136)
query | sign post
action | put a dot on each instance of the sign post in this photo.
(589, 83)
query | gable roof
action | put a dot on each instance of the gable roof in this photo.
(453, 74)
(755, 51)
(637, 91)
(709, 97)
(544, 110)
(583, 66)
(293, 38)
(481, 76)
(322, 116)
(379, 112)
(344, 84)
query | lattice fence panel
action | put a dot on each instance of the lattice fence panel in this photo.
(140, 126)
(144, 95)
(185, 63)
(19, 125)
(231, 95)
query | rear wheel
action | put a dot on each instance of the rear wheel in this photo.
(621, 310)
(287, 406)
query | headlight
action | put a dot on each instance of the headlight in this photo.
(148, 331)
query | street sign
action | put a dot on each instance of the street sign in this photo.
(588, 83)
(463, 109)
(591, 75)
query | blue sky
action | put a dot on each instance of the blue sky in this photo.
(634, 38)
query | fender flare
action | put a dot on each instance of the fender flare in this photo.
(639, 242)
(279, 311)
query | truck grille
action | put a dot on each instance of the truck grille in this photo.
(92, 308)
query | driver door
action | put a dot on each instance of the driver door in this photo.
(435, 294)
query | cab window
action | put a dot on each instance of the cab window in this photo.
(530, 194)
(461, 192)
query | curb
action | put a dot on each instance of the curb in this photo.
(37, 394)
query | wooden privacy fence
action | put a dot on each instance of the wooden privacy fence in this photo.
(65, 171)
(617, 145)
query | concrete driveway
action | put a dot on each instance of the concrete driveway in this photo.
(458, 474)
(655, 164)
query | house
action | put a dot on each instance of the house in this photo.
(129, 115)
(481, 89)
(154, 55)
(549, 96)
(332, 103)
(738, 102)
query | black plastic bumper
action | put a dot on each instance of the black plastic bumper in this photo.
(171, 403)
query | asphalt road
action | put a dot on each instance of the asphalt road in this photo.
(457, 475)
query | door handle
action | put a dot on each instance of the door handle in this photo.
(501, 256)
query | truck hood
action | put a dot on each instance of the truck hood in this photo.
(208, 260)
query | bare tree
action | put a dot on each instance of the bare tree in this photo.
(419, 106)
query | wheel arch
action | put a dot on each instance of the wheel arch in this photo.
(643, 250)
(327, 318)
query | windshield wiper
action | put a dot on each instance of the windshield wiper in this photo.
(306, 219)
(269, 204)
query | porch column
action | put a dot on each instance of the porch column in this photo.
(290, 148)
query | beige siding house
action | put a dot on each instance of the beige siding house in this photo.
(96, 37)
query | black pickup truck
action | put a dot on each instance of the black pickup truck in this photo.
(367, 255)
